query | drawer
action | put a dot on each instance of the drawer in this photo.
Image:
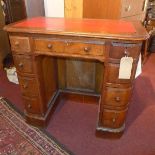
(113, 119)
(87, 48)
(32, 105)
(23, 63)
(49, 45)
(20, 44)
(70, 47)
(112, 74)
(131, 7)
(28, 86)
(119, 50)
(116, 96)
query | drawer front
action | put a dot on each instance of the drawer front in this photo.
(112, 74)
(20, 44)
(85, 48)
(113, 119)
(116, 96)
(70, 47)
(119, 50)
(23, 63)
(130, 8)
(32, 105)
(49, 45)
(28, 86)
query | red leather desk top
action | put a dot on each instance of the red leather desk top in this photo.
(78, 25)
(98, 28)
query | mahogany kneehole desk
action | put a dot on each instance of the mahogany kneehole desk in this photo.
(37, 44)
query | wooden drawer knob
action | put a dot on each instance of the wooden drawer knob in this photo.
(86, 49)
(114, 120)
(117, 99)
(25, 86)
(20, 65)
(149, 22)
(16, 43)
(128, 8)
(67, 43)
(49, 46)
(29, 106)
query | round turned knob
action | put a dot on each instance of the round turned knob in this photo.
(49, 46)
(17, 43)
(114, 120)
(127, 8)
(149, 22)
(86, 49)
(67, 43)
(25, 86)
(29, 106)
(20, 65)
(117, 99)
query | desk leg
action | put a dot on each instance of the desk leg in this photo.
(47, 90)
(114, 101)
(145, 51)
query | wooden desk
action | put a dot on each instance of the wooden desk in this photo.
(38, 43)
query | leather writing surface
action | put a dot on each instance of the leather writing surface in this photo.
(78, 25)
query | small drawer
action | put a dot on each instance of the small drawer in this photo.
(85, 48)
(32, 105)
(112, 74)
(20, 44)
(70, 47)
(113, 119)
(119, 50)
(116, 96)
(28, 86)
(23, 63)
(48, 45)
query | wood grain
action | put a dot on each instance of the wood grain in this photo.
(73, 8)
(80, 75)
(102, 9)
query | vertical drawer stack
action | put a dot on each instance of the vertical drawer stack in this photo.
(24, 63)
(117, 92)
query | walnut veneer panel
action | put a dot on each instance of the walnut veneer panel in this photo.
(20, 44)
(32, 105)
(23, 63)
(114, 119)
(80, 75)
(117, 97)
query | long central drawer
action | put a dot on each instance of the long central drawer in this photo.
(95, 48)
